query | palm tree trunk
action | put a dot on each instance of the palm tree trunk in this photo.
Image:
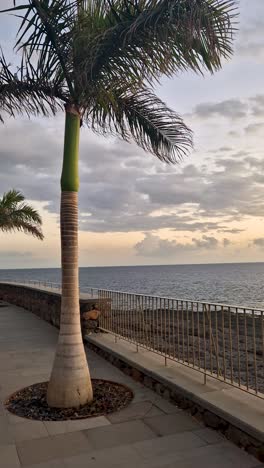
(70, 383)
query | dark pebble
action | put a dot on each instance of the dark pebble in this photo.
(30, 402)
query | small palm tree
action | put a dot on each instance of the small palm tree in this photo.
(99, 60)
(15, 215)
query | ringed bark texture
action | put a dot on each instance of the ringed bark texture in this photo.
(70, 383)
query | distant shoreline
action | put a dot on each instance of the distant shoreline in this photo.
(138, 266)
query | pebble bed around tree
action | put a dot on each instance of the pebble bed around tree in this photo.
(30, 402)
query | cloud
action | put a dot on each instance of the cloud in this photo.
(250, 44)
(257, 103)
(234, 109)
(153, 246)
(254, 128)
(226, 242)
(233, 133)
(124, 189)
(224, 149)
(231, 231)
(253, 49)
(207, 242)
(231, 108)
(15, 254)
(259, 242)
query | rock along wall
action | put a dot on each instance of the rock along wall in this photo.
(44, 304)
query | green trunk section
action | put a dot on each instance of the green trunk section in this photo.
(70, 174)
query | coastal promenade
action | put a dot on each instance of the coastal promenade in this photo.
(150, 433)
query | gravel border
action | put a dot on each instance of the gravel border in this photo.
(30, 402)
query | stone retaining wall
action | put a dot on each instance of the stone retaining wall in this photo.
(44, 304)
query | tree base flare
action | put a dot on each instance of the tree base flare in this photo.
(69, 394)
(31, 402)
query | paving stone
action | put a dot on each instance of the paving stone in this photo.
(29, 430)
(172, 423)
(6, 436)
(165, 405)
(9, 457)
(13, 419)
(142, 393)
(122, 456)
(211, 456)
(209, 436)
(50, 448)
(2, 409)
(119, 434)
(168, 445)
(41, 450)
(135, 411)
(72, 443)
(50, 464)
(62, 427)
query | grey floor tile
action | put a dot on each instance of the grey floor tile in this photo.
(29, 430)
(219, 456)
(2, 409)
(210, 436)
(172, 423)
(56, 427)
(119, 434)
(9, 457)
(122, 456)
(168, 445)
(6, 435)
(13, 419)
(72, 443)
(138, 410)
(52, 448)
(50, 464)
(63, 427)
(165, 405)
(41, 450)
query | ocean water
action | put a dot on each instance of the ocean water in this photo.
(240, 283)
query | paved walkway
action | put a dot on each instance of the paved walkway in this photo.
(150, 433)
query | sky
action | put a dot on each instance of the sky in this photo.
(135, 210)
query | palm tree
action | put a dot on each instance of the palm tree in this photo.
(15, 215)
(99, 60)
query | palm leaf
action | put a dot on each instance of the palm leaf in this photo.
(15, 215)
(147, 38)
(27, 90)
(145, 118)
(44, 32)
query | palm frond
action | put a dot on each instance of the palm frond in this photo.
(15, 215)
(28, 90)
(145, 118)
(44, 33)
(86, 41)
(11, 198)
(147, 38)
